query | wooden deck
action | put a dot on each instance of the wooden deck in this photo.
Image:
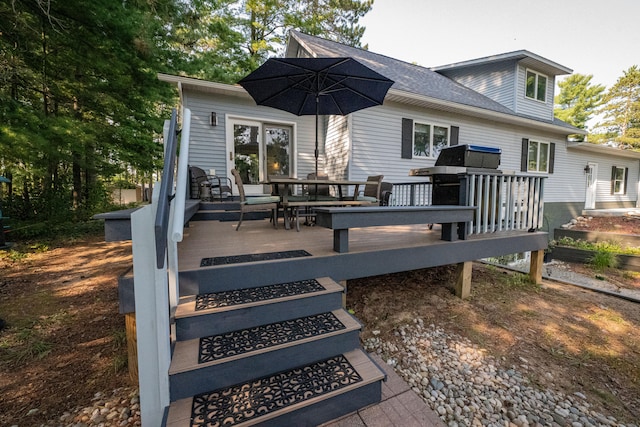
(372, 251)
(213, 238)
(204, 239)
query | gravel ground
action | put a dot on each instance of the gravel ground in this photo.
(120, 409)
(468, 388)
(560, 271)
(456, 378)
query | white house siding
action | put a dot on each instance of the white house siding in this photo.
(376, 149)
(373, 139)
(208, 145)
(531, 107)
(495, 80)
(337, 147)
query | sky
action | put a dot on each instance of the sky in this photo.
(598, 37)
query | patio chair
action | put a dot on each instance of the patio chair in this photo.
(257, 203)
(206, 187)
(386, 190)
(371, 192)
(319, 192)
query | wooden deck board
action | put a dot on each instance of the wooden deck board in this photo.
(203, 239)
(213, 238)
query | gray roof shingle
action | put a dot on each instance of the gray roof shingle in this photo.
(412, 78)
(408, 77)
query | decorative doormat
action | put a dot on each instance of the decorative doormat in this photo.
(262, 293)
(247, 401)
(217, 347)
(267, 256)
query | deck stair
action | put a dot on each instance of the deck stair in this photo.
(281, 354)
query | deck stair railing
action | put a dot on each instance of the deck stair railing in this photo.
(503, 202)
(155, 230)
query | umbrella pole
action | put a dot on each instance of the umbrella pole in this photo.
(316, 151)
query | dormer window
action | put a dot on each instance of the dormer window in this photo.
(536, 86)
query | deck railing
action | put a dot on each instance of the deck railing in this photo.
(411, 194)
(155, 231)
(503, 201)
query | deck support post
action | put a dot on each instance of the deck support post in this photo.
(343, 283)
(463, 280)
(132, 346)
(341, 240)
(535, 267)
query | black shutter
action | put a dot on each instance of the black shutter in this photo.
(613, 179)
(552, 156)
(626, 174)
(455, 133)
(524, 154)
(407, 139)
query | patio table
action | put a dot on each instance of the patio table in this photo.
(340, 183)
(289, 183)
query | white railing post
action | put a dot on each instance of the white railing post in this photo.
(176, 218)
(152, 317)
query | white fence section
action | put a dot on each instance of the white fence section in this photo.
(503, 201)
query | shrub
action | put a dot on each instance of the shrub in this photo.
(602, 259)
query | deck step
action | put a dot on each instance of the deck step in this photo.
(216, 313)
(304, 396)
(221, 360)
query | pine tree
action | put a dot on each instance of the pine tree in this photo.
(578, 99)
(621, 109)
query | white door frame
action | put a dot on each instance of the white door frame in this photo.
(591, 186)
(230, 123)
(231, 120)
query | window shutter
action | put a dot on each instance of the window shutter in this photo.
(524, 154)
(552, 156)
(626, 174)
(613, 179)
(407, 139)
(455, 133)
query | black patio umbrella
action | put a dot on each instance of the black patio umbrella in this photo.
(316, 86)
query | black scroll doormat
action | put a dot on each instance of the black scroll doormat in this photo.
(267, 256)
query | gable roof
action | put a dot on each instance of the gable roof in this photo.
(422, 86)
(525, 57)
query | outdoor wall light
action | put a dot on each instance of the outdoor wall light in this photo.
(587, 169)
(213, 120)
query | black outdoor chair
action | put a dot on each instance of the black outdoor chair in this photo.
(206, 187)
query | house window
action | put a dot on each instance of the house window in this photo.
(618, 180)
(538, 157)
(536, 86)
(429, 139)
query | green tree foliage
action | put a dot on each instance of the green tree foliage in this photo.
(621, 109)
(80, 102)
(79, 98)
(578, 99)
(223, 40)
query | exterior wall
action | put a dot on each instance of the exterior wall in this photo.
(208, 147)
(377, 150)
(558, 213)
(494, 80)
(369, 143)
(531, 107)
(338, 147)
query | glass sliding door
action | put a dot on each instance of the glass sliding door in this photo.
(257, 150)
(278, 150)
(247, 151)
